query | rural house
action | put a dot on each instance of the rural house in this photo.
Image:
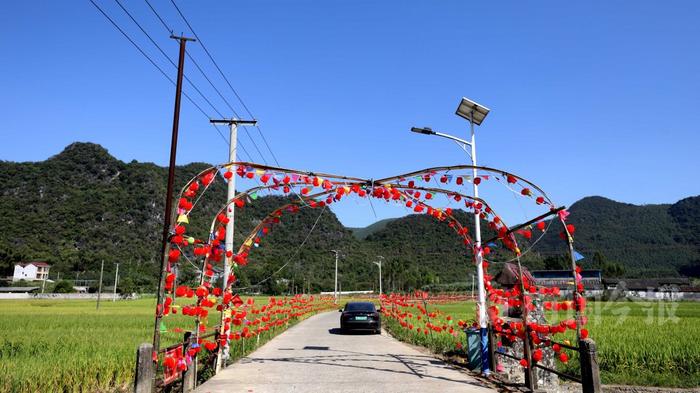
(31, 271)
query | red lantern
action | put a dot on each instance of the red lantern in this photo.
(563, 357)
(537, 355)
(174, 255)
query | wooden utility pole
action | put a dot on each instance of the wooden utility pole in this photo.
(167, 215)
(99, 287)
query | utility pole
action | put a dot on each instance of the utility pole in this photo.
(167, 215)
(99, 287)
(230, 213)
(231, 188)
(381, 258)
(335, 291)
(43, 282)
(116, 281)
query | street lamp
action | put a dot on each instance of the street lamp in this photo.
(475, 114)
(381, 258)
(335, 291)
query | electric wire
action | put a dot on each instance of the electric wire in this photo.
(295, 252)
(195, 104)
(172, 62)
(206, 77)
(150, 60)
(240, 99)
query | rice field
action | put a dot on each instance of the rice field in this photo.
(639, 343)
(68, 346)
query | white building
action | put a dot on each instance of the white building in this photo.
(31, 271)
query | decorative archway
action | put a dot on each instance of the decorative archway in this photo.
(318, 190)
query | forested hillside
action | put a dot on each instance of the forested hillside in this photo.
(647, 241)
(83, 206)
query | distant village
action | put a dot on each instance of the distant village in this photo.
(31, 279)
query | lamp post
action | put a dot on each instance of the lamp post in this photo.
(335, 290)
(381, 258)
(475, 114)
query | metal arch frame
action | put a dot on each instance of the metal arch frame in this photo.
(342, 181)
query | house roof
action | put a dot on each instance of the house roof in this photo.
(37, 264)
(509, 275)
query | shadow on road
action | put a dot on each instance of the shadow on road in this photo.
(418, 366)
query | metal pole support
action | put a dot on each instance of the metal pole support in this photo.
(189, 377)
(590, 374)
(145, 370)
(219, 361)
(492, 348)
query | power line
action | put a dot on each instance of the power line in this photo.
(240, 99)
(159, 18)
(150, 60)
(165, 25)
(166, 55)
(295, 252)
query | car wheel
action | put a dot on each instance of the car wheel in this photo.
(378, 331)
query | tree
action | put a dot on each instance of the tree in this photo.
(127, 286)
(556, 262)
(613, 269)
(63, 286)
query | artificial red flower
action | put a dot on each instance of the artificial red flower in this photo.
(563, 357)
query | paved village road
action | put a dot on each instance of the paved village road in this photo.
(314, 357)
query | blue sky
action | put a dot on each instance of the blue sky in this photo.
(597, 98)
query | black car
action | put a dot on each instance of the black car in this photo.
(360, 316)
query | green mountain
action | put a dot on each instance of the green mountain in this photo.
(83, 206)
(647, 240)
(362, 233)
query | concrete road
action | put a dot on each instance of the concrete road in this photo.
(314, 357)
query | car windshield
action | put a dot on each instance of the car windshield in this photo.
(360, 307)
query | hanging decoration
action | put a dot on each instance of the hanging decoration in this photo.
(239, 320)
